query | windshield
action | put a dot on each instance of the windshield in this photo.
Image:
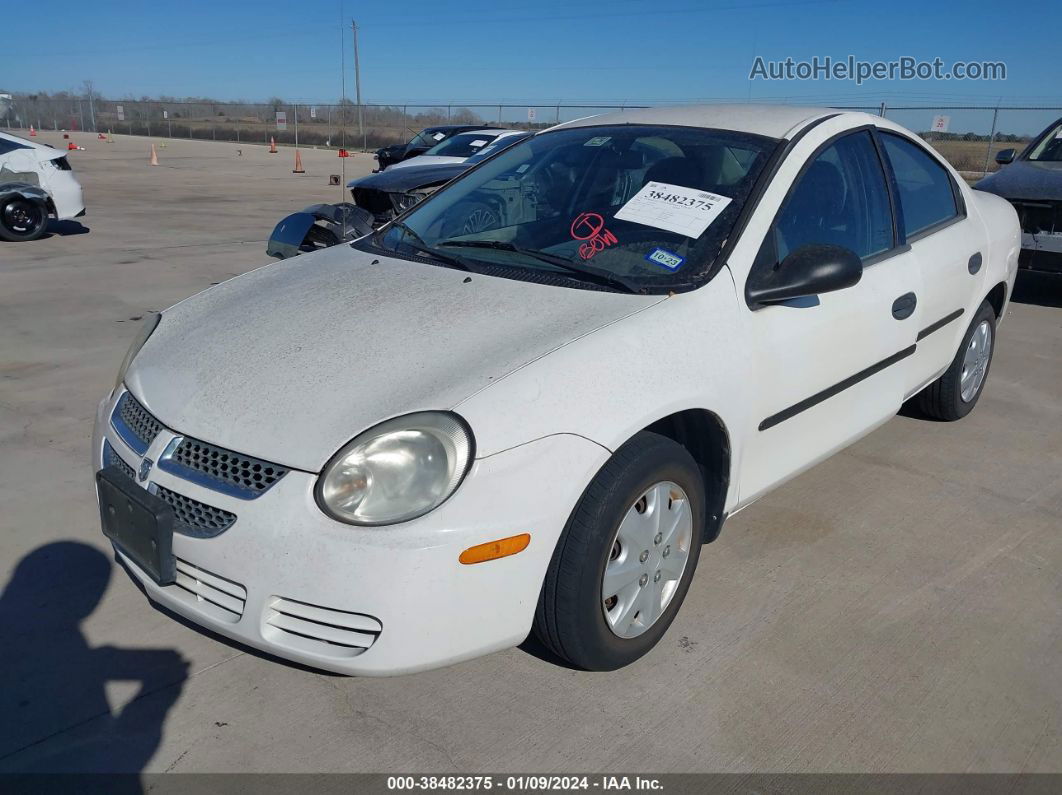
(463, 145)
(634, 207)
(1050, 146)
(426, 138)
(496, 146)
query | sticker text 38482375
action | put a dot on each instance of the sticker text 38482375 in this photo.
(686, 211)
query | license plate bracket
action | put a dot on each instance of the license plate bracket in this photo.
(139, 523)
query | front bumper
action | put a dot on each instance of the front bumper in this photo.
(399, 592)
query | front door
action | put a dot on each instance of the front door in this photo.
(831, 367)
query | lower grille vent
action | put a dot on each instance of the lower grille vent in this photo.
(217, 597)
(320, 630)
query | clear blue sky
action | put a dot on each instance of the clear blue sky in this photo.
(540, 51)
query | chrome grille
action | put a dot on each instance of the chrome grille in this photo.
(135, 424)
(112, 459)
(217, 468)
(195, 518)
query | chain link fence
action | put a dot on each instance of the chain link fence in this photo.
(974, 133)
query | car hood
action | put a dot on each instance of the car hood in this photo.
(1024, 179)
(291, 361)
(426, 160)
(397, 180)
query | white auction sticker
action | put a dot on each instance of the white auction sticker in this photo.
(687, 211)
(477, 142)
(438, 136)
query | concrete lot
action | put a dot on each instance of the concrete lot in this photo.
(898, 608)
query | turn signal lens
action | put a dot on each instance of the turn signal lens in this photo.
(495, 549)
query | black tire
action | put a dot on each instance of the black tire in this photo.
(943, 399)
(22, 219)
(570, 617)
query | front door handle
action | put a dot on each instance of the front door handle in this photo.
(904, 306)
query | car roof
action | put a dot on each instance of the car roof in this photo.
(774, 121)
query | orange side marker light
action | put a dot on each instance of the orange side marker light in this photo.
(495, 549)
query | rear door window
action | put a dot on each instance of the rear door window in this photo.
(927, 193)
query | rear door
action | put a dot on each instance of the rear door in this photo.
(950, 246)
(832, 367)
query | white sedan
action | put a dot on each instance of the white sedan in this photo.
(36, 183)
(456, 149)
(418, 448)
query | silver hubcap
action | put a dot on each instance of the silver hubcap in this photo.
(647, 559)
(975, 362)
(478, 221)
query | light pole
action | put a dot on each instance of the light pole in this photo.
(357, 83)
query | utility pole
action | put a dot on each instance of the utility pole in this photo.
(343, 99)
(357, 83)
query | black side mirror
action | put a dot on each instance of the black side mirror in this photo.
(1004, 156)
(810, 270)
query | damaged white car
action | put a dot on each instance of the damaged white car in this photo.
(36, 183)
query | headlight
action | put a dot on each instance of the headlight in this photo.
(397, 471)
(151, 322)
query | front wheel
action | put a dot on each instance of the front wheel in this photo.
(954, 394)
(626, 558)
(22, 219)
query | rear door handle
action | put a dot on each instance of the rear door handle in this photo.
(904, 306)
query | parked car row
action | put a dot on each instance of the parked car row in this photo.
(385, 194)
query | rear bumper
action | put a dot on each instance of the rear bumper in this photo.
(403, 584)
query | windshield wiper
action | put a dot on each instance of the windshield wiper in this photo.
(596, 276)
(420, 246)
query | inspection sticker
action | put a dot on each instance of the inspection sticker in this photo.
(687, 211)
(668, 259)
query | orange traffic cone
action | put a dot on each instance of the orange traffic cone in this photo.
(298, 164)
(33, 133)
(154, 156)
(71, 147)
(272, 145)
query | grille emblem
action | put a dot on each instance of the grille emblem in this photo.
(145, 469)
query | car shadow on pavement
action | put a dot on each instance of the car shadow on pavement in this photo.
(1037, 287)
(55, 713)
(65, 228)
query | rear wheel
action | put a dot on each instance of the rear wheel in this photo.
(954, 394)
(22, 219)
(626, 558)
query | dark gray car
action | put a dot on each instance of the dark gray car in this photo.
(1032, 182)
